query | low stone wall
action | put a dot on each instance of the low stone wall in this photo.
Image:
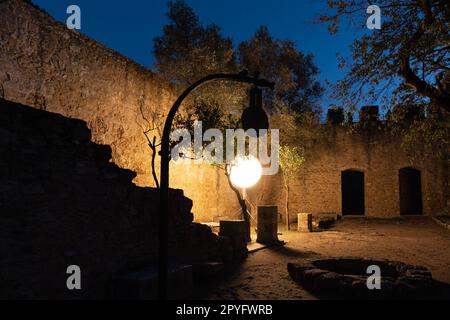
(62, 203)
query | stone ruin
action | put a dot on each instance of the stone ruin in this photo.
(46, 66)
(346, 278)
(63, 202)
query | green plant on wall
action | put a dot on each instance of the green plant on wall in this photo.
(291, 159)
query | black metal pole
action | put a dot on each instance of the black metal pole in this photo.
(163, 234)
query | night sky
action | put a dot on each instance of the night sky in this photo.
(129, 26)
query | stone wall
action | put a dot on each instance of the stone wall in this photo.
(47, 66)
(62, 203)
(380, 157)
(373, 151)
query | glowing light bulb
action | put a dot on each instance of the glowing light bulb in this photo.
(245, 172)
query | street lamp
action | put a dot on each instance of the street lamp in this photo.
(253, 117)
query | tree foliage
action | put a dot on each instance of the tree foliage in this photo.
(212, 115)
(294, 73)
(291, 159)
(188, 50)
(405, 65)
(411, 53)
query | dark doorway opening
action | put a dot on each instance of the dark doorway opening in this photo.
(410, 185)
(353, 192)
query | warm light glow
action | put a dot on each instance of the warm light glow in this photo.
(245, 172)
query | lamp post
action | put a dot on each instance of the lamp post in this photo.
(249, 116)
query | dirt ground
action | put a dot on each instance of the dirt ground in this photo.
(414, 240)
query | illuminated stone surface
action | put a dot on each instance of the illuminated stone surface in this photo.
(267, 230)
(305, 222)
(47, 66)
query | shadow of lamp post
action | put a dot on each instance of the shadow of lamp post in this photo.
(253, 117)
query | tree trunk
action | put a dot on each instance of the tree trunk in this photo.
(243, 205)
(422, 87)
(286, 186)
(153, 147)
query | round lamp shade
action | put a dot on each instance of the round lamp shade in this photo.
(245, 172)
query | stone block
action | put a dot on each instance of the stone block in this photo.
(232, 227)
(143, 285)
(239, 241)
(335, 116)
(369, 113)
(33, 189)
(324, 220)
(267, 224)
(305, 222)
(208, 271)
(7, 137)
(237, 232)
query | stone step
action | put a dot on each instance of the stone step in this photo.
(208, 271)
(143, 284)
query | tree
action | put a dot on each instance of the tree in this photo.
(151, 122)
(291, 159)
(188, 50)
(411, 52)
(293, 72)
(297, 133)
(405, 65)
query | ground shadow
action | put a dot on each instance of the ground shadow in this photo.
(291, 252)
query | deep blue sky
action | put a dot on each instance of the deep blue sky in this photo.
(129, 26)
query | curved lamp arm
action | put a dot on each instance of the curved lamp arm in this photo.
(239, 77)
(163, 236)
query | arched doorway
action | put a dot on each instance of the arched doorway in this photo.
(352, 185)
(410, 186)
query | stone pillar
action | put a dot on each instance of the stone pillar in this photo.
(237, 232)
(369, 114)
(267, 224)
(305, 222)
(335, 116)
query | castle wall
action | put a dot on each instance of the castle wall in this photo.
(45, 65)
(380, 157)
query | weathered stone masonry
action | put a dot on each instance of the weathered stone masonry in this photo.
(62, 203)
(45, 65)
(372, 152)
(379, 156)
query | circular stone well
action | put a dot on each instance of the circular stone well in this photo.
(346, 278)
